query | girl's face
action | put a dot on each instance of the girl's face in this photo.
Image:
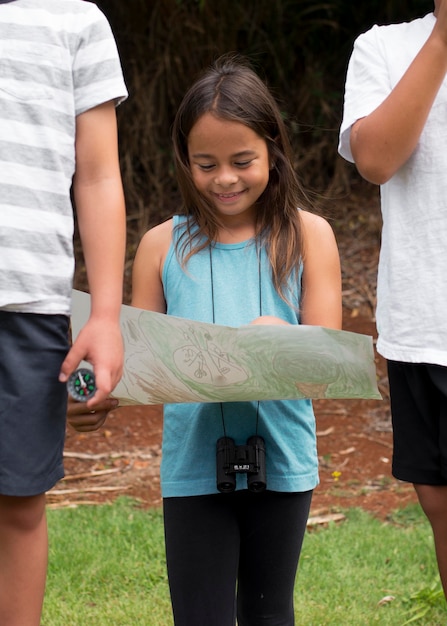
(229, 165)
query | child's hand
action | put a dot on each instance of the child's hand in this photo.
(268, 320)
(86, 419)
(99, 343)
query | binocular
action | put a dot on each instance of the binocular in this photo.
(249, 459)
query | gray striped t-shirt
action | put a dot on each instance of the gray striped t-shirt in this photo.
(58, 58)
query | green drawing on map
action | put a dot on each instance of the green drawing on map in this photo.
(170, 359)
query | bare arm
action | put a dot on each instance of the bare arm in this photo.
(321, 298)
(147, 286)
(384, 140)
(321, 303)
(102, 225)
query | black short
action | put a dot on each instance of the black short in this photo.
(33, 401)
(419, 415)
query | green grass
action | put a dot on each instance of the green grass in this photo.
(107, 568)
(348, 569)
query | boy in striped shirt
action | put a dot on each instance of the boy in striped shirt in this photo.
(60, 80)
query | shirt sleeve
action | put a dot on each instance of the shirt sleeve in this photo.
(97, 72)
(367, 85)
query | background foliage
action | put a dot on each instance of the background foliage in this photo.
(300, 47)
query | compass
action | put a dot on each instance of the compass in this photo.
(81, 384)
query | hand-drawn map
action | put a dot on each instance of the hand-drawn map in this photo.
(171, 359)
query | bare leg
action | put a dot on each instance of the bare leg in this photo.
(23, 559)
(433, 500)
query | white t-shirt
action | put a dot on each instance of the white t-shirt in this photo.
(58, 59)
(412, 278)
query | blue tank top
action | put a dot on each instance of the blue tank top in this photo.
(230, 285)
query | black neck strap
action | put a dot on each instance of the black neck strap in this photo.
(258, 254)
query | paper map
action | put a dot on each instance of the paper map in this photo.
(171, 359)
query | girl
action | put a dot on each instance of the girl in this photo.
(240, 252)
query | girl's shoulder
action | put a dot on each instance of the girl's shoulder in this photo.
(159, 235)
(318, 237)
(314, 225)
(157, 240)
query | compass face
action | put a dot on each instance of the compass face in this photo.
(81, 384)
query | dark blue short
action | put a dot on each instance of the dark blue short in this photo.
(418, 394)
(33, 401)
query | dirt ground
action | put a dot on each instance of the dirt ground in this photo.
(354, 437)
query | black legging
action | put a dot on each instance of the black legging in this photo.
(246, 540)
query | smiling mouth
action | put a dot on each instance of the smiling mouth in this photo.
(229, 196)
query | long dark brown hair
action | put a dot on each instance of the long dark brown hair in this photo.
(231, 90)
